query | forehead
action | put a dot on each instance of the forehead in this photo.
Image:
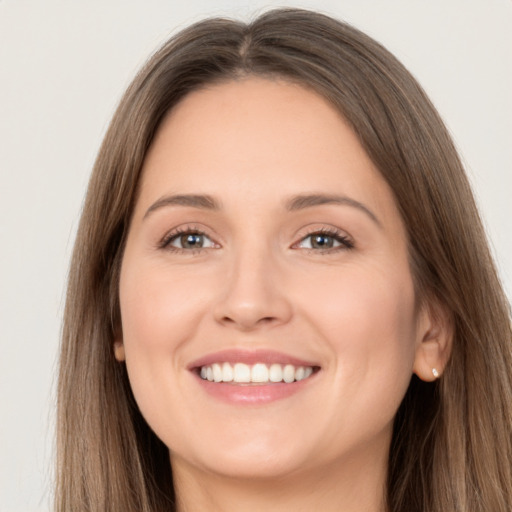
(262, 138)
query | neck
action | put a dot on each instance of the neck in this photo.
(341, 487)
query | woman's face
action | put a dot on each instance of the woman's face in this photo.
(268, 312)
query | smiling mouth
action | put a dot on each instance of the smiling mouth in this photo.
(259, 373)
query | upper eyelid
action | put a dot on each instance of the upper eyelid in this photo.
(183, 229)
(327, 230)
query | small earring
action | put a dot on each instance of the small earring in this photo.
(119, 351)
(435, 373)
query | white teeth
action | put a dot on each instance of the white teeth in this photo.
(217, 372)
(289, 373)
(227, 373)
(242, 373)
(275, 373)
(258, 373)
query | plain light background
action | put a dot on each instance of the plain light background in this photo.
(63, 67)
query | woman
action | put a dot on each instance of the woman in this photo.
(281, 294)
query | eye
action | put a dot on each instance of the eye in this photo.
(325, 241)
(187, 240)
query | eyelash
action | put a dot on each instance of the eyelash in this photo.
(175, 234)
(337, 235)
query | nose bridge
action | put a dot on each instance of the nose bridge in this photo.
(252, 294)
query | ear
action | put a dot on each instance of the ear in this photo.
(435, 338)
(119, 347)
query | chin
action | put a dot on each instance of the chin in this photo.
(257, 459)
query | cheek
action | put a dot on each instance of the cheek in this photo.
(159, 308)
(367, 317)
(160, 312)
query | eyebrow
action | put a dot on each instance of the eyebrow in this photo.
(203, 202)
(295, 203)
(301, 202)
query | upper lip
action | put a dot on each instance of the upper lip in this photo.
(249, 357)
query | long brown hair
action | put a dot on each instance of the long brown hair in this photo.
(452, 443)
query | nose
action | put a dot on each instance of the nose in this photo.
(253, 294)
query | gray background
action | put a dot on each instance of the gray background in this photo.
(63, 67)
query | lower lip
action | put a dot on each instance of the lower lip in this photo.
(253, 394)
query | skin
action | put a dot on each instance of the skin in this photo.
(257, 283)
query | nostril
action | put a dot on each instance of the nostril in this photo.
(247, 305)
(247, 323)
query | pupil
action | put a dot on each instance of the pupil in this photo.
(322, 241)
(191, 241)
